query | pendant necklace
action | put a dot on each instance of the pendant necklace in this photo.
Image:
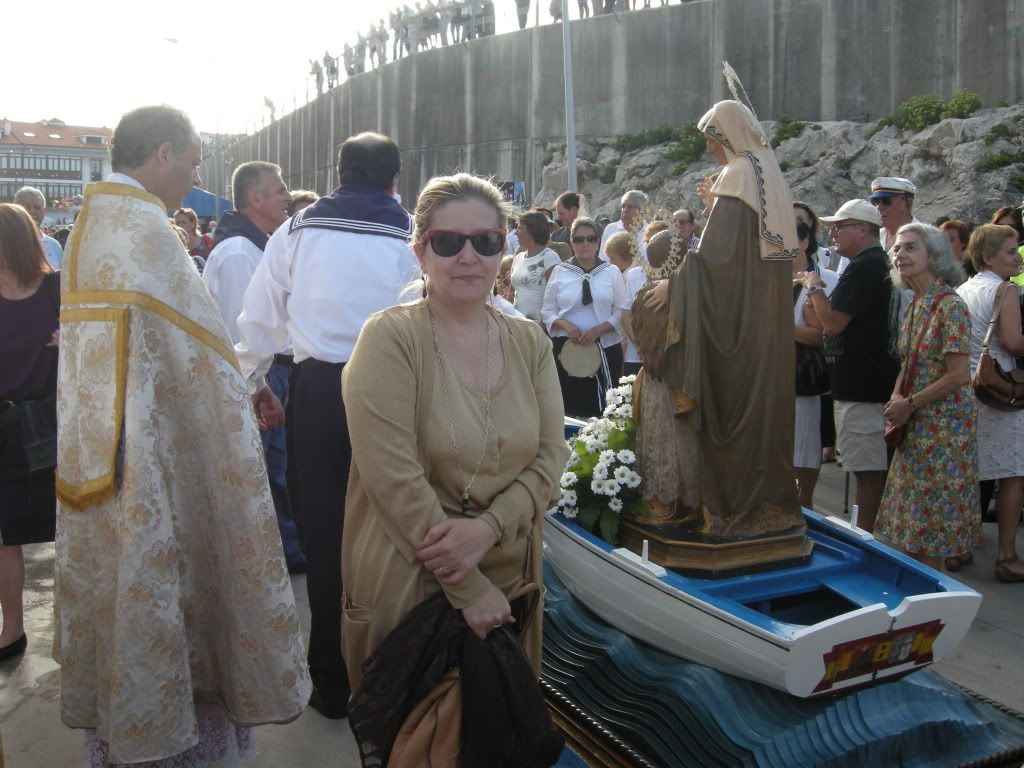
(488, 426)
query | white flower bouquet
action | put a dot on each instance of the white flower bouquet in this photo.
(600, 479)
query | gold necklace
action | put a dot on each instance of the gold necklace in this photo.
(488, 424)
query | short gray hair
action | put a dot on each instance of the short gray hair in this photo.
(941, 261)
(638, 197)
(31, 191)
(246, 178)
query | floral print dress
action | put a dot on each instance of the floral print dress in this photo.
(930, 506)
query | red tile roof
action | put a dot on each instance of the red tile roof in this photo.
(67, 135)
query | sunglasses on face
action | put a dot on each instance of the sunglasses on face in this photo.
(884, 202)
(447, 243)
(584, 238)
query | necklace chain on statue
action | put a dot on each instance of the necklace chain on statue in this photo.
(488, 423)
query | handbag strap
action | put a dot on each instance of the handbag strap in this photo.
(908, 379)
(999, 301)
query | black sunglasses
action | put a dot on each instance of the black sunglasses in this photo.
(446, 243)
(584, 238)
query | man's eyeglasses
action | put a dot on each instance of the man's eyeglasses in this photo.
(845, 224)
(884, 202)
(447, 243)
(578, 239)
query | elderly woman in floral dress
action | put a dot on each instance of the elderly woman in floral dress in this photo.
(930, 505)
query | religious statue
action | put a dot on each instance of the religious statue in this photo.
(723, 371)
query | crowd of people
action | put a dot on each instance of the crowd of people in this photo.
(436, 23)
(236, 406)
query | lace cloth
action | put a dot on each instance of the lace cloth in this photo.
(222, 744)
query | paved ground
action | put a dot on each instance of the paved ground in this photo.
(988, 661)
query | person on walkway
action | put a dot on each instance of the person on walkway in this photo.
(930, 506)
(261, 201)
(620, 255)
(435, 503)
(993, 251)
(323, 274)
(33, 201)
(531, 268)
(860, 320)
(583, 304)
(633, 209)
(894, 199)
(29, 309)
(176, 626)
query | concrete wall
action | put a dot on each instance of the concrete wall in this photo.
(491, 105)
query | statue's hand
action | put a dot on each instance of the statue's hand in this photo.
(657, 297)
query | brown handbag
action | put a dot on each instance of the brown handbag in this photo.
(996, 388)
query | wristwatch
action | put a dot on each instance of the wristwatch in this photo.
(910, 402)
(811, 290)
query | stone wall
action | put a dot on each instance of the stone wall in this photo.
(492, 104)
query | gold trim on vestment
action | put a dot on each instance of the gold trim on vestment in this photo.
(99, 489)
(157, 307)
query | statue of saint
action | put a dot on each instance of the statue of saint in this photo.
(725, 369)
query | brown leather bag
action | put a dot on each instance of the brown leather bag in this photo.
(996, 388)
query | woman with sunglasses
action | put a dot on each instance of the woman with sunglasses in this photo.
(457, 439)
(583, 304)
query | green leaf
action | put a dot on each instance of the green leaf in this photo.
(588, 517)
(609, 525)
(617, 440)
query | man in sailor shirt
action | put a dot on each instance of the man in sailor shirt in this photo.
(322, 275)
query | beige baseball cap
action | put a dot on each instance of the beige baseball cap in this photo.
(855, 210)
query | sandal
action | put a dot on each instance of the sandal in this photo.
(956, 562)
(1008, 574)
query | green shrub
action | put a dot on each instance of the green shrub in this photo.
(688, 144)
(784, 166)
(630, 142)
(999, 160)
(962, 104)
(788, 128)
(1000, 131)
(815, 127)
(918, 112)
(845, 163)
(607, 175)
(1017, 180)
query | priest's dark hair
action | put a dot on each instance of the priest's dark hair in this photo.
(369, 158)
(141, 131)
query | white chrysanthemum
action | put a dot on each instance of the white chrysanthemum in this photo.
(622, 474)
(607, 457)
(626, 456)
(574, 460)
(570, 512)
(624, 411)
(633, 481)
(609, 487)
(628, 379)
(568, 480)
(597, 486)
(568, 499)
(615, 505)
(600, 471)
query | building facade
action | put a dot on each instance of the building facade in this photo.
(56, 158)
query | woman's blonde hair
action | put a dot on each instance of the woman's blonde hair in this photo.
(621, 244)
(442, 190)
(986, 240)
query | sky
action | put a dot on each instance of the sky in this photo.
(87, 64)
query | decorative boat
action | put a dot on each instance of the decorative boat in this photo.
(857, 612)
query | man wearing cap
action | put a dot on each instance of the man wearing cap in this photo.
(859, 325)
(894, 199)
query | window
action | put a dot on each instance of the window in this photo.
(28, 134)
(51, 163)
(54, 135)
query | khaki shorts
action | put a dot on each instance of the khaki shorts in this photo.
(860, 436)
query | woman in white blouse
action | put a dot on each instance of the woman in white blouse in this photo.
(532, 267)
(583, 304)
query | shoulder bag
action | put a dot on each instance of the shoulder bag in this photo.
(996, 388)
(811, 372)
(894, 432)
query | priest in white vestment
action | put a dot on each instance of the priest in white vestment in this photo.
(176, 626)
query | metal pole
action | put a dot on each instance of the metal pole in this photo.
(570, 104)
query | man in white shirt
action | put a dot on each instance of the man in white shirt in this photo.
(686, 225)
(894, 199)
(33, 201)
(261, 205)
(633, 207)
(323, 274)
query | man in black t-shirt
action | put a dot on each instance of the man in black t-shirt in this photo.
(859, 348)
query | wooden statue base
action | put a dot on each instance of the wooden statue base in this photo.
(693, 554)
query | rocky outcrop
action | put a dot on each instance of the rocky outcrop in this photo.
(827, 164)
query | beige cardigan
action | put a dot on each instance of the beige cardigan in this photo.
(404, 479)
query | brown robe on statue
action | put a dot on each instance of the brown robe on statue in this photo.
(730, 347)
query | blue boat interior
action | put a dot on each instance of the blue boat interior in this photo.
(679, 713)
(844, 574)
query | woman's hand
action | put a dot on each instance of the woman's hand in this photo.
(564, 325)
(657, 297)
(489, 612)
(808, 279)
(898, 410)
(54, 339)
(451, 549)
(595, 333)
